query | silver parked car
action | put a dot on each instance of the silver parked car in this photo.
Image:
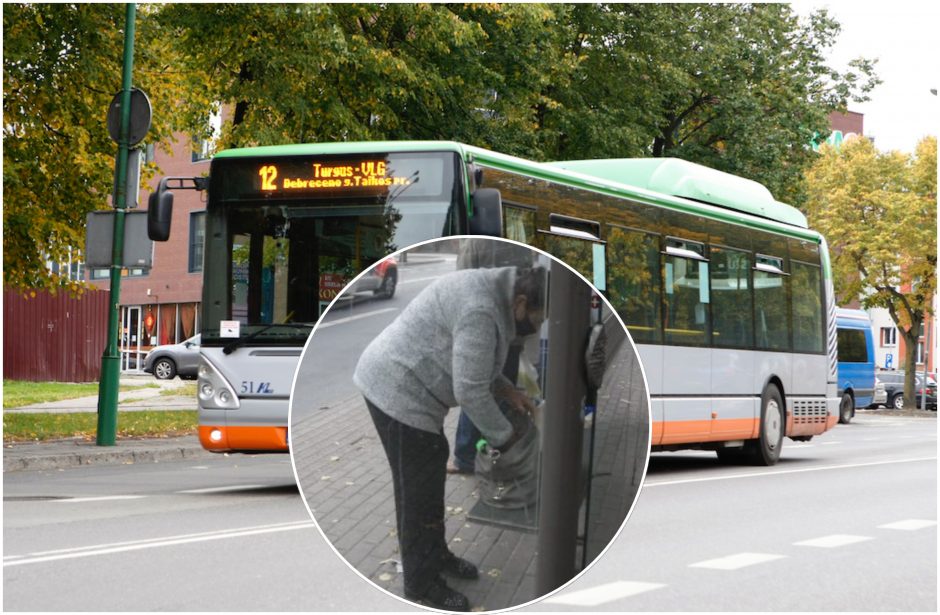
(166, 361)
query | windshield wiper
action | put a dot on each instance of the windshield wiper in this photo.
(236, 344)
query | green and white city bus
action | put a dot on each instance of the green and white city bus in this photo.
(726, 291)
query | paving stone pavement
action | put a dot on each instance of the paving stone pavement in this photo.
(345, 479)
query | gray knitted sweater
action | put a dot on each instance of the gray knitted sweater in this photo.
(446, 349)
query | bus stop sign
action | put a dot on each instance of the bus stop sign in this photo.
(141, 115)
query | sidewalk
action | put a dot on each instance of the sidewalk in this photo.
(74, 452)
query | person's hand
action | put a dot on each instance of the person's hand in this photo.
(521, 402)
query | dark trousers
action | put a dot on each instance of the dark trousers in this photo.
(418, 460)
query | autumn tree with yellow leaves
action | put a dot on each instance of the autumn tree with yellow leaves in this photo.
(878, 211)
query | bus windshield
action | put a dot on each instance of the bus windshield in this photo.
(285, 235)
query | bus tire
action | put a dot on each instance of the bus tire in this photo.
(765, 450)
(846, 408)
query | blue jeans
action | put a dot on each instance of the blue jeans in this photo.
(465, 443)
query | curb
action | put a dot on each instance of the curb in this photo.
(87, 453)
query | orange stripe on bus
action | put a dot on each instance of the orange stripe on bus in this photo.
(241, 438)
(679, 432)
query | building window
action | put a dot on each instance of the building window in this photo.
(103, 273)
(920, 351)
(889, 336)
(197, 240)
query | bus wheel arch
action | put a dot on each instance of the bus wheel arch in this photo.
(765, 449)
(847, 406)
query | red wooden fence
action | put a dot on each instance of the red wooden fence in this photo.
(54, 337)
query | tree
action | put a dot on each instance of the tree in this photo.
(737, 87)
(878, 211)
(61, 68)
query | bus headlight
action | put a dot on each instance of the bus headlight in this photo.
(214, 390)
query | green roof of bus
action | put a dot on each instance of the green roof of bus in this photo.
(691, 181)
(597, 175)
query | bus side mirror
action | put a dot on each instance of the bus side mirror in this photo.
(487, 218)
(160, 213)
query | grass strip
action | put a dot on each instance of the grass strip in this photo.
(17, 393)
(36, 427)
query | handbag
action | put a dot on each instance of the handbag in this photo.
(509, 479)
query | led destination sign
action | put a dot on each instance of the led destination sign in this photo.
(405, 175)
(333, 176)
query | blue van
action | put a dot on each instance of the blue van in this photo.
(856, 362)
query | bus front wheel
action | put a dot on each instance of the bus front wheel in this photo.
(765, 450)
(846, 409)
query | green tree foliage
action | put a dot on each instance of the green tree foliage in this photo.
(738, 87)
(741, 88)
(61, 68)
(878, 211)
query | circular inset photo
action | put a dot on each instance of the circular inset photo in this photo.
(469, 423)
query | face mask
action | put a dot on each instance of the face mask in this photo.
(525, 327)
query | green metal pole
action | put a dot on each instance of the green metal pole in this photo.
(111, 359)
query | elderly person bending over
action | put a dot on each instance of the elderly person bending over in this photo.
(446, 349)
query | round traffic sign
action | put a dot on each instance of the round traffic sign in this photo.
(141, 114)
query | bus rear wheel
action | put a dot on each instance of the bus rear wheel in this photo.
(765, 450)
(846, 409)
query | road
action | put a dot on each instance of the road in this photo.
(847, 522)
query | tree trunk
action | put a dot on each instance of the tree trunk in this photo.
(910, 366)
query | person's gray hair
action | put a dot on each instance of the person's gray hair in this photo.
(531, 283)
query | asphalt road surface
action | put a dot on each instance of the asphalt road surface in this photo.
(846, 522)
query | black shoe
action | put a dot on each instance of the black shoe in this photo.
(458, 567)
(440, 596)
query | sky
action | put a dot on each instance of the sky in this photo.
(903, 36)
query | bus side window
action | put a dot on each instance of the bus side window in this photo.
(771, 303)
(519, 223)
(732, 322)
(633, 284)
(685, 273)
(806, 286)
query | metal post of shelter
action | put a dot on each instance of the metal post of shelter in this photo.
(562, 431)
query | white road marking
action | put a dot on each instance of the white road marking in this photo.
(340, 321)
(835, 540)
(759, 473)
(603, 594)
(908, 524)
(436, 277)
(829, 443)
(739, 560)
(104, 498)
(199, 468)
(120, 547)
(222, 489)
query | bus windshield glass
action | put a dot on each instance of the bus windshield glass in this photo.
(286, 234)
